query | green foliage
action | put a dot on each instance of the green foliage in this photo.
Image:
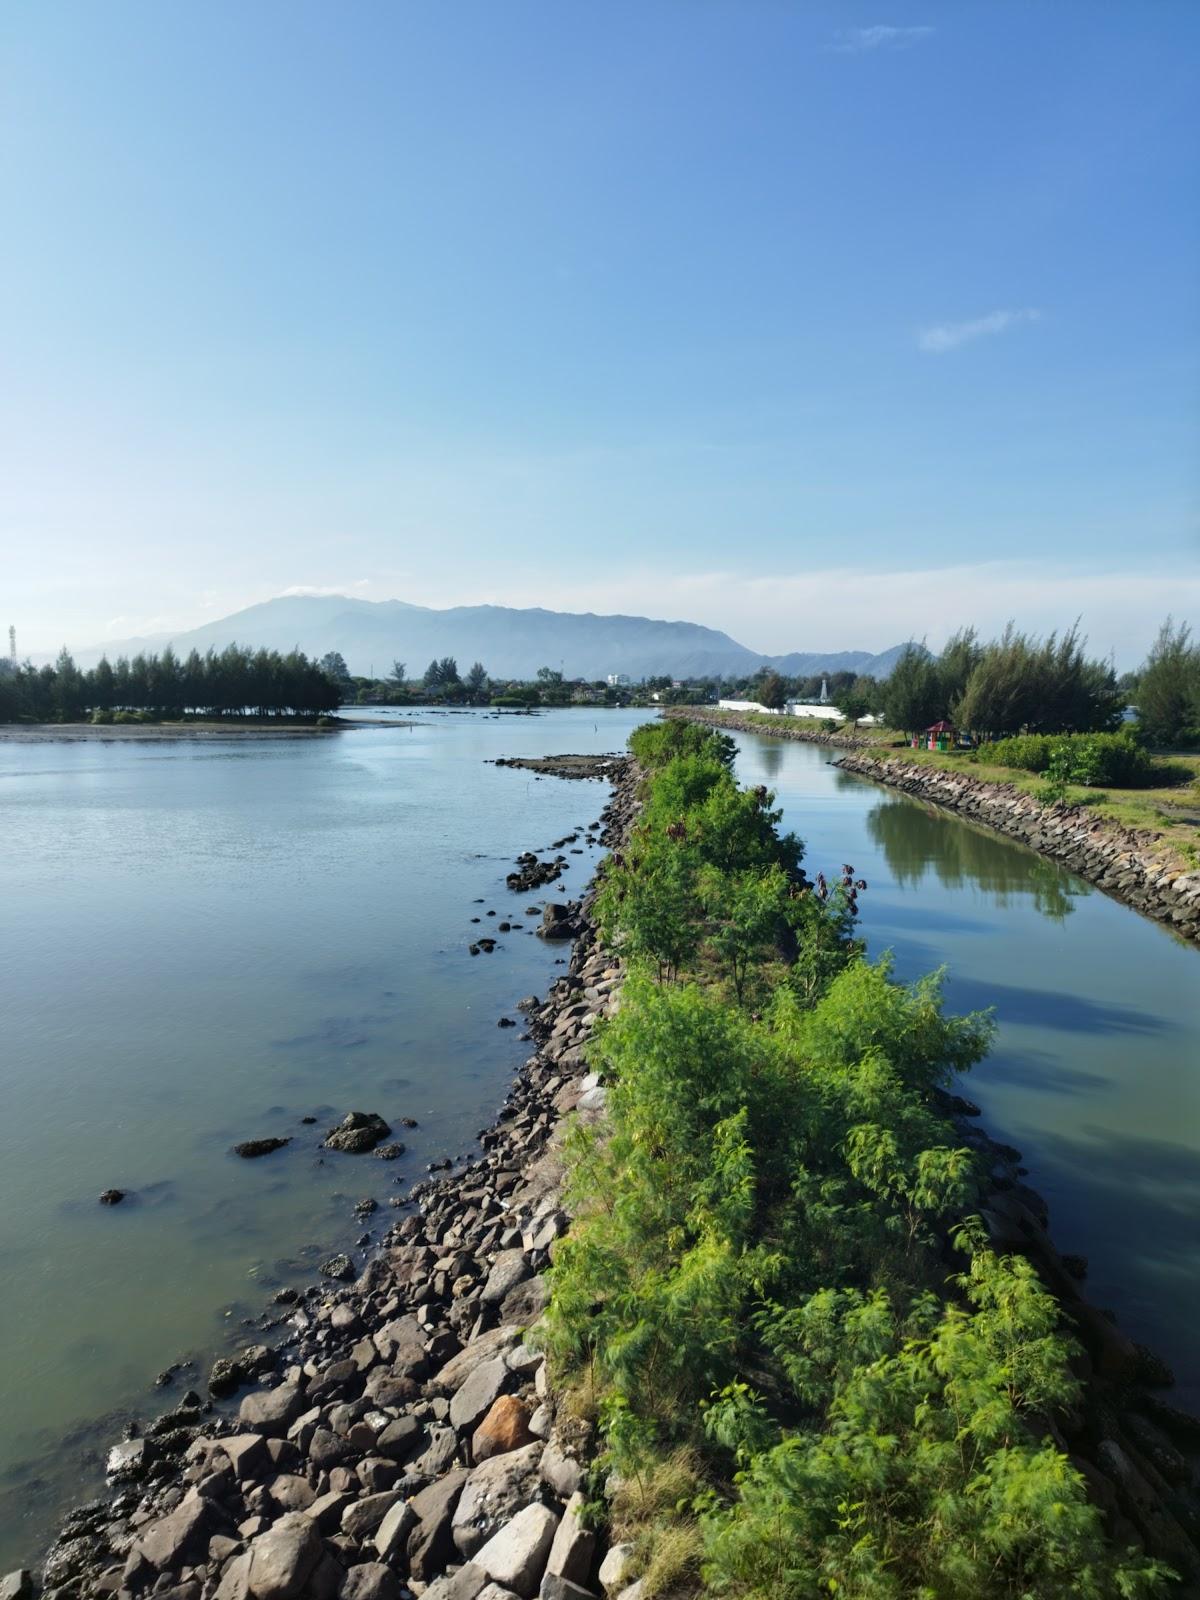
(1087, 758)
(231, 682)
(1043, 685)
(755, 1284)
(1168, 688)
(912, 697)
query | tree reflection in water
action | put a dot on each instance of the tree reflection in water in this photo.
(916, 840)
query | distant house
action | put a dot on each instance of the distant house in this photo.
(617, 680)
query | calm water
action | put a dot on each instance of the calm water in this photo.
(207, 943)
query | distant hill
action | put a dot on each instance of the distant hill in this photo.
(511, 643)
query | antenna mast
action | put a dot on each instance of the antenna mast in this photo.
(12, 643)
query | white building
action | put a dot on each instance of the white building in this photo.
(617, 680)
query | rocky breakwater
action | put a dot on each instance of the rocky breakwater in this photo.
(1121, 861)
(785, 728)
(409, 1442)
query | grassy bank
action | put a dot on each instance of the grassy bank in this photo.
(813, 1374)
(1168, 804)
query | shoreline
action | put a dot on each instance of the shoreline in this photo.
(395, 1363)
(1120, 861)
(1116, 860)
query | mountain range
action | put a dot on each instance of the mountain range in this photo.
(511, 643)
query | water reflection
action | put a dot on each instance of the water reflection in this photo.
(772, 759)
(1054, 1008)
(916, 842)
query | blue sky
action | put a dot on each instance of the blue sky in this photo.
(825, 324)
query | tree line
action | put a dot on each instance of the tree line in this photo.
(1018, 684)
(812, 1372)
(234, 682)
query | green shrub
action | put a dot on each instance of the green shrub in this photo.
(1091, 758)
(101, 718)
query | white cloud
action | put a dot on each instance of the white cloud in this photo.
(855, 41)
(311, 589)
(949, 335)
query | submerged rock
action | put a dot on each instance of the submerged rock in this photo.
(112, 1197)
(358, 1132)
(251, 1148)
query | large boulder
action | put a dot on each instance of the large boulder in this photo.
(357, 1132)
(271, 1411)
(483, 1387)
(489, 1344)
(370, 1580)
(283, 1558)
(574, 1546)
(430, 1546)
(516, 1556)
(181, 1537)
(510, 1268)
(493, 1494)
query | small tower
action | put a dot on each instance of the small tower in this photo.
(824, 691)
(12, 643)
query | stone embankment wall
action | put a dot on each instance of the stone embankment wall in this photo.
(1121, 861)
(408, 1441)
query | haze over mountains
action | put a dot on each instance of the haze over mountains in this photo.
(511, 643)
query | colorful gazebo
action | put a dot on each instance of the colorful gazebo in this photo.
(941, 736)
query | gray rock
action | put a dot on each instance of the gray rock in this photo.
(562, 1472)
(370, 1580)
(394, 1529)
(401, 1439)
(441, 1451)
(497, 1591)
(490, 1344)
(246, 1453)
(17, 1585)
(326, 1511)
(525, 1304)
(358, 1132)
(272, 1410)
(362, 1516)
(614, 1567)
(339, 1266)
(574, 1546)
(291, 1492)
(556, 1588)
(510, 1268)
(485, 1385)
(129, 1460)
(327, 1449)
(492, 1496)
(465, 1584)
(633, 1591)
(516, 1555)
(430, 1545)
(182, 1535)
(283, 1558)
(233, 1584)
